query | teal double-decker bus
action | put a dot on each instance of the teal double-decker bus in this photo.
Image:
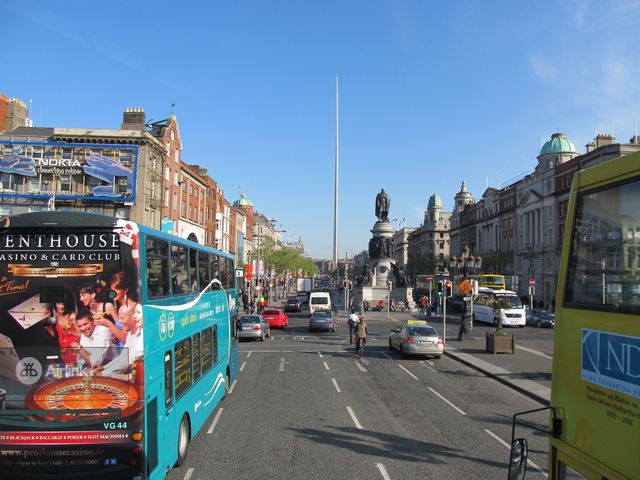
(117, 342)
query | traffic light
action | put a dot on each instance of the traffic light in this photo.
(449, 292)
(440, 288)
(350, 285)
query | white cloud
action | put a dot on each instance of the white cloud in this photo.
(544, 69)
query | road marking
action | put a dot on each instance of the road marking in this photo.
(325, 365)
(535, 352)
(335, 384)
(187, 475)
(386, 355)
(233, 385)
(540, 470)
(215, 421)
(353, 417)
(281, 366)
(428, 362)
(445, 400)
(242, 366)
(383, 471)
(360, 367)
(320, 355)
(249, 354)
(412, 375)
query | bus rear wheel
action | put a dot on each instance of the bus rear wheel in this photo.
(184, 436)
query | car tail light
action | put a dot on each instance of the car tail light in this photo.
(440, 342)
(409, 339)
(257, 327)
(137, 450)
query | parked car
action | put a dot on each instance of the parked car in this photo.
(416, 337)
(293, 305)
(275, 317)
(323, 320)
(541, 318)
(254, 326)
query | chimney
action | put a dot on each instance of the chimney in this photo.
(133, 118)
(603, 139)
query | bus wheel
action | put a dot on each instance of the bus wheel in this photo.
(227, 385)
(184, 435)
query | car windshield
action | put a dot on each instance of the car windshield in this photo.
(292, 300)
(250, 319)
(270, 312)
(319, 300)
(321, 314)
(422, 331)
(512, 299)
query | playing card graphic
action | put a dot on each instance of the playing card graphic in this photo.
(30, 312)
(8, 357)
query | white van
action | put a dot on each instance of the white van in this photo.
(319, 301)
(511, 317)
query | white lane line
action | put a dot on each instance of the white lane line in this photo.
(233, 385)
(535, 352)
(353, 417)
(215, 420)
(281, 366)
(249, 354)
(386, 355)
(325, 365)
(320, 355)
(242, 366)
(383, 471)
(360, 367)
(540, 470)
(412, 375)
(447, 401)
(335, 384)
(187, 475)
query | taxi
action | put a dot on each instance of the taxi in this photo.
(416, 337)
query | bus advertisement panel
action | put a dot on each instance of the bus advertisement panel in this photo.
(71, 351)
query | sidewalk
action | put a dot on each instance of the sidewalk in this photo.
(525, 371)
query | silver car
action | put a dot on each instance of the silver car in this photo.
(416, 337)
(254, 326)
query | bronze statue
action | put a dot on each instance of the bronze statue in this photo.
(383, 201)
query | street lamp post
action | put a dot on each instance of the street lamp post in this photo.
(464, 264)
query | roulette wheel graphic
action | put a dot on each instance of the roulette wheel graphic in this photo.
(84, 393)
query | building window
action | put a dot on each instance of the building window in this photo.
(175, 178)
(177, 156)
(167, 173)
(65, 183)
(166, 197)
(175, 200)
(67, 154)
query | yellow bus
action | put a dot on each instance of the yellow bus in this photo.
(492, 280)
(595, 389)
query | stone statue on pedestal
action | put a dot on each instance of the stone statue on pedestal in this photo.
(383, 202)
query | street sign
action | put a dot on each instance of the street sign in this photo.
(465, 287)
(429, 278)
(532, 282)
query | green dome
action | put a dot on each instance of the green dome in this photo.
(435, 201)
(243, 202)
(558, 144)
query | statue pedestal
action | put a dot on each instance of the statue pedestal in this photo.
(405, 295)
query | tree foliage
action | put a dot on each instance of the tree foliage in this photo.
(283, 259)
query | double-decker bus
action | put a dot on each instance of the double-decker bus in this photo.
(117, 342)
(492, 280)
(595, 389)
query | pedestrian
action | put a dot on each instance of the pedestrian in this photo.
(361, 336)
(423, 305)
(245, 301)
(353, 325)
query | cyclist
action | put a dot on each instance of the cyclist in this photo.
(353, 325)
(361, 337)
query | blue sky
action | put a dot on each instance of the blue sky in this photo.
(431, 92)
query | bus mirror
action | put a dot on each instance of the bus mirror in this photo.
(518, 461)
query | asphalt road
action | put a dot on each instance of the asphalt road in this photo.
(304, 407)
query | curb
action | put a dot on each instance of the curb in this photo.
(519, 388)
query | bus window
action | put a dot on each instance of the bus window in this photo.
(193, 270)
(207, 358)
(183, 366)
(179, 271)
(168, 379)
(157, 268)
(203, 270)
(604, 245)
(196, 357)
(215, 269)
